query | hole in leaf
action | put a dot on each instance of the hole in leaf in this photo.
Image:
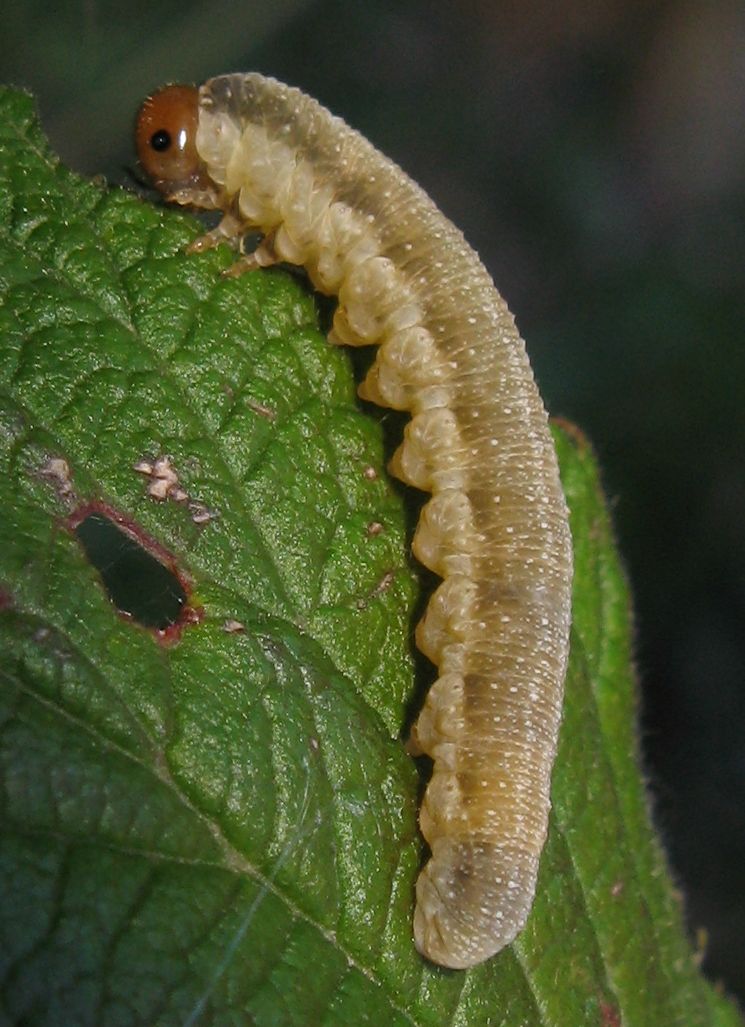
(137, 582)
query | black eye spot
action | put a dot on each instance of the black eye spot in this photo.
(160, 140)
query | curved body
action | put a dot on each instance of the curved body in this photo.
(495, 529)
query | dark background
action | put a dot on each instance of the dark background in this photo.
(594, 153)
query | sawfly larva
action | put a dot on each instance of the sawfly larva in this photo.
(496, 527)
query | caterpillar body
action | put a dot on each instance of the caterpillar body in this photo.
(495, 528)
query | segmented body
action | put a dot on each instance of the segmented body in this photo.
(495, 529)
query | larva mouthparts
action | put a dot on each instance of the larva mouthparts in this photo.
(496, 528)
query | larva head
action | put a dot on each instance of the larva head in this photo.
(165, 137)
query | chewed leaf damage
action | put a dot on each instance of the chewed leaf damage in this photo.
(140, 576)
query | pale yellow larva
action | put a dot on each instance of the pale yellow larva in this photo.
(496, 527)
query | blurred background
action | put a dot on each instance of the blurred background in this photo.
(593, 152)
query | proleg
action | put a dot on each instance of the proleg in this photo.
(496, 527)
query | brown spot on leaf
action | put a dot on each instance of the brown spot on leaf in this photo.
(610, 1016)
(382, 586)
(201, 514)
(233, 627)
(164, 480)
(262, 410)
(164, 484)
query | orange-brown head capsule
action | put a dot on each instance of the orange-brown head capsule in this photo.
(165, 136)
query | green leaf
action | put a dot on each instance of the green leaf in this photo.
(214, 822)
